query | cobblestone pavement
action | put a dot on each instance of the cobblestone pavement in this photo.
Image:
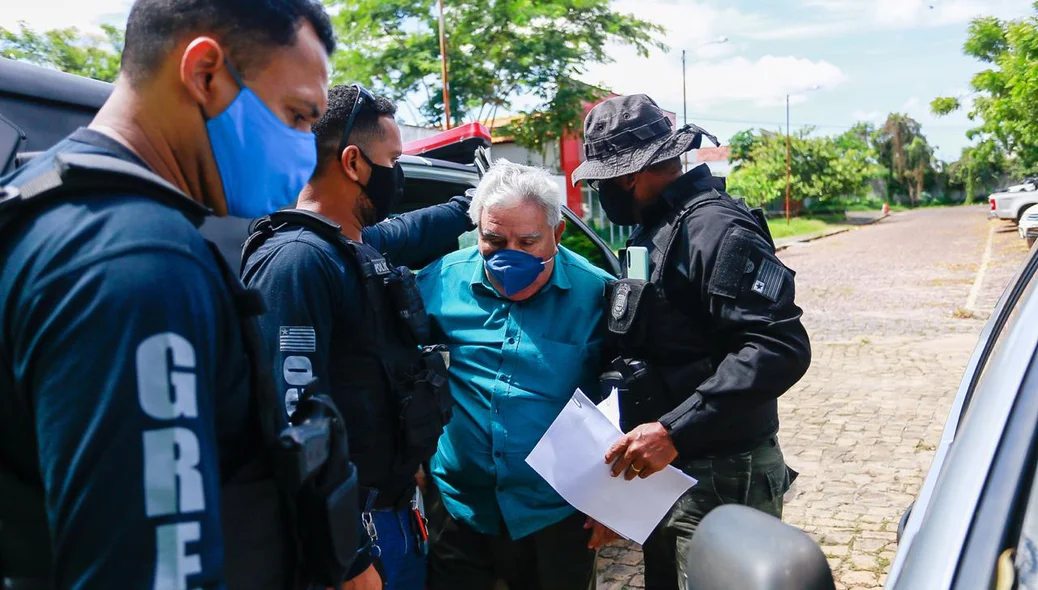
(886, 307)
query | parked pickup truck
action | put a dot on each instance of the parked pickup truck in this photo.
(1011, 205)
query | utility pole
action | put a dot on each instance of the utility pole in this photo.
(787, 160)
(443, 70)
(684, 87)
(684, 100)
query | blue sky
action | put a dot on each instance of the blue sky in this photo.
(868, 58)
(840, 60)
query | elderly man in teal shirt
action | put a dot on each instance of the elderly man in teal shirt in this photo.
(523, 317)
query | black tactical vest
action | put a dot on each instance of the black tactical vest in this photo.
(666, 350)
(404, 386)
(261, 522)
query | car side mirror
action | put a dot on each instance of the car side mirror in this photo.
(740, 547)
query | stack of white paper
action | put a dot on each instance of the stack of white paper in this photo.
(571, 458)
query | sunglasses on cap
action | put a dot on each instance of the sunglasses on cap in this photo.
(363, 94)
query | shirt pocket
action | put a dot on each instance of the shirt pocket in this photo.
(545, 379)
(551, 366)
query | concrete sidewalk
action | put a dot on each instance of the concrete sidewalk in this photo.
(855, 219)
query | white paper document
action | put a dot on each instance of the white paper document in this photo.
(571, 458)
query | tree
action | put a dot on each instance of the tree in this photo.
(1006, 105)
(497, 50)
(741, 147)
(903, 150)
(821, 168)
(981, 166)
(68, 50)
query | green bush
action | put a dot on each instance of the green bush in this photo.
(581, 244)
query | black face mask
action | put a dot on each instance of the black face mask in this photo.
(384, 188)
(617, 203)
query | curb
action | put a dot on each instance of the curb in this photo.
(826, 234)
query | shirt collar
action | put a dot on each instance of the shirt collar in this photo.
(559, 277)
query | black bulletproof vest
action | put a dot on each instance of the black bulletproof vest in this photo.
(257, 535)
(378, 363)
(673, 340)
(683, 345)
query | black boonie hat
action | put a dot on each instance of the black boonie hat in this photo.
(626, 134)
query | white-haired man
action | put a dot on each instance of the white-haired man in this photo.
(523, 318)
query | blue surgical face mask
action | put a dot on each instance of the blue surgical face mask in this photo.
(514, 270)
(263, 162)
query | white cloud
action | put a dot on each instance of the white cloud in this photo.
(837, 17)
(910, 14)
(51, 14)
(870, 116)
(689, 24)
(762, 82)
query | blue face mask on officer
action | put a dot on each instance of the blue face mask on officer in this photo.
(263, 162)
(514, 270)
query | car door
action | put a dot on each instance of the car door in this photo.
(962, 516)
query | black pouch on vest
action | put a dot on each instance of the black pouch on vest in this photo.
(626, 298)
(643, 394)
(407, 301)
(314, 458)
(428, 407)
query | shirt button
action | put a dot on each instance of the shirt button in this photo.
(497, 453)
(497, 410)
(511, 340)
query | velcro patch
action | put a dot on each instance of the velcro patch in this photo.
(733, 262)
(768, 282)
(297, 339)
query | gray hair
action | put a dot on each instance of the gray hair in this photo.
(507, 184)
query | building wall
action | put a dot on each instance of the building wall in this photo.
(520, 155)
(411, 133)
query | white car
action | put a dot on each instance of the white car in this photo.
(1011, 205)
(1027, 185)
(1028, 226)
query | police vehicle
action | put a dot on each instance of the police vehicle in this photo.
(40, 106)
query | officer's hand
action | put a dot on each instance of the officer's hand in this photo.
(367, 580)
(642, 452)
(600, 534)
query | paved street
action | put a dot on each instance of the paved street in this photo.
(893, 312)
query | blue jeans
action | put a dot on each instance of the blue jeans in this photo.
(403, 564)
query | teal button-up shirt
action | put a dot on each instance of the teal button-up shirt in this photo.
(514, 365)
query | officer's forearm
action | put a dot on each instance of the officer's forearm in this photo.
(418, 236)
(762, 369)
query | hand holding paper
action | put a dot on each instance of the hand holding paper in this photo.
(570, 458)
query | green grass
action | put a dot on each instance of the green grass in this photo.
(799, 226)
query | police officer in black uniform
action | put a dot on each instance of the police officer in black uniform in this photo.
(708, 341)
(342, 313)
(137, 426)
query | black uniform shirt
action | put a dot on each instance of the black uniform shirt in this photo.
(124, 384)
(315, 322)
(723, 275)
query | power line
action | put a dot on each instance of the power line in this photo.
(819, 125)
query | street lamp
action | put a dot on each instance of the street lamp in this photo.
(812, 89)
(684, 94)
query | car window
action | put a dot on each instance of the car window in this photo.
(577, 240)
(1027, 545)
